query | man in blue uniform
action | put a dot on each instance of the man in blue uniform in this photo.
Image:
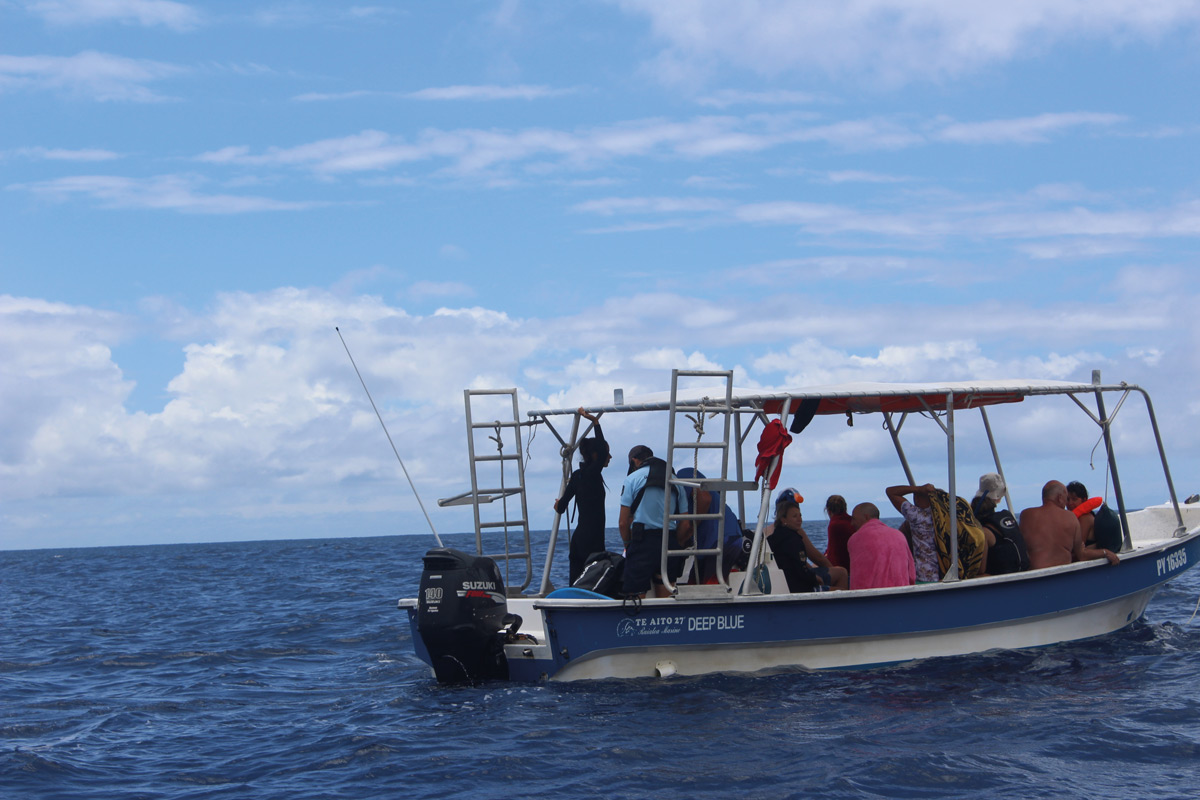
(642, 502)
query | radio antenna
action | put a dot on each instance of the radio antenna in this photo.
(389, 437)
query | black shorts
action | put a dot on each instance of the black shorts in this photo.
(643, 558)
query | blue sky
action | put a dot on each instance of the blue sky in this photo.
(566, 198)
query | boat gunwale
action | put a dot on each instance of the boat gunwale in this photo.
(1148, 549)
(1137, 553)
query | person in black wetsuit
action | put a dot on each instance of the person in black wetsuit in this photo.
(793, 549)
(587, 487)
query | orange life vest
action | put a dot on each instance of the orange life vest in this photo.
(1090, 504)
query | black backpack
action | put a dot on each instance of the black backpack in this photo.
(1107, 530)
(603, 574)
(1008, 554)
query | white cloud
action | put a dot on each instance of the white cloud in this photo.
(1025, 130)
(733, 97)
(62, 154)
(148, 13)
(163, 192)
(896, 270)
(668, 358)
(609, 206)
(1007, 218)
(1080, 248)
(487, 93)
(468, 151)
(1150, 356)
(443, 93)
(862, 176)
(325, 97)
(295, 15)
(266, 411)
(90, 75)
(478, 151)
(891, 40)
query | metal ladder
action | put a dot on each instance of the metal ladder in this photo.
(478, 497)
(719, 483)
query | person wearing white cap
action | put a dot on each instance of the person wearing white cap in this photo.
(1006, 545)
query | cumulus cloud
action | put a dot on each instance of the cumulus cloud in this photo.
(265, 410)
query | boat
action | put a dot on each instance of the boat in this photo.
(474, 621)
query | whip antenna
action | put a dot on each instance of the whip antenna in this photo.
(389, 437)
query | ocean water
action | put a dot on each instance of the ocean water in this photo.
(284, 670)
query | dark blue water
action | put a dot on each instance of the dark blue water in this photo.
(284, 670)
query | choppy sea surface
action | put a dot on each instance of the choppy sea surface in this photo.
(283, 669)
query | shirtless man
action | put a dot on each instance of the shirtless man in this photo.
(1052, 535)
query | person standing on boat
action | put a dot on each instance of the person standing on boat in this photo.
(839, 532)
(1052, 534)
(879, 554)
(642, 510)
(919, 517)
(792, 549)
(586, 485)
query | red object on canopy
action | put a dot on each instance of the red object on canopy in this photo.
(774, 440)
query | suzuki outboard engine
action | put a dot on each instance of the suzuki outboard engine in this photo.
(461, 611)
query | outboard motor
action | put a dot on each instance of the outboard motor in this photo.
(461, 612)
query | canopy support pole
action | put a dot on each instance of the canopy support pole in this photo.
(987, 426)
(1162, 454)
(748, 584)
(568, 450)
(1106, 428)
(952, 573)
(894, 430)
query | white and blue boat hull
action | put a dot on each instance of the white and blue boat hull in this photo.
(593, 639)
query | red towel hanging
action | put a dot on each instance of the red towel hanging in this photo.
(773, 442)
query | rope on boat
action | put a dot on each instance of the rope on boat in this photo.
(1092, 460)
(698, 426)
(529, 443)
(1193, 616)
(499, 440)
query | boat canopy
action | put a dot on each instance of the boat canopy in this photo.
(863, 397)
